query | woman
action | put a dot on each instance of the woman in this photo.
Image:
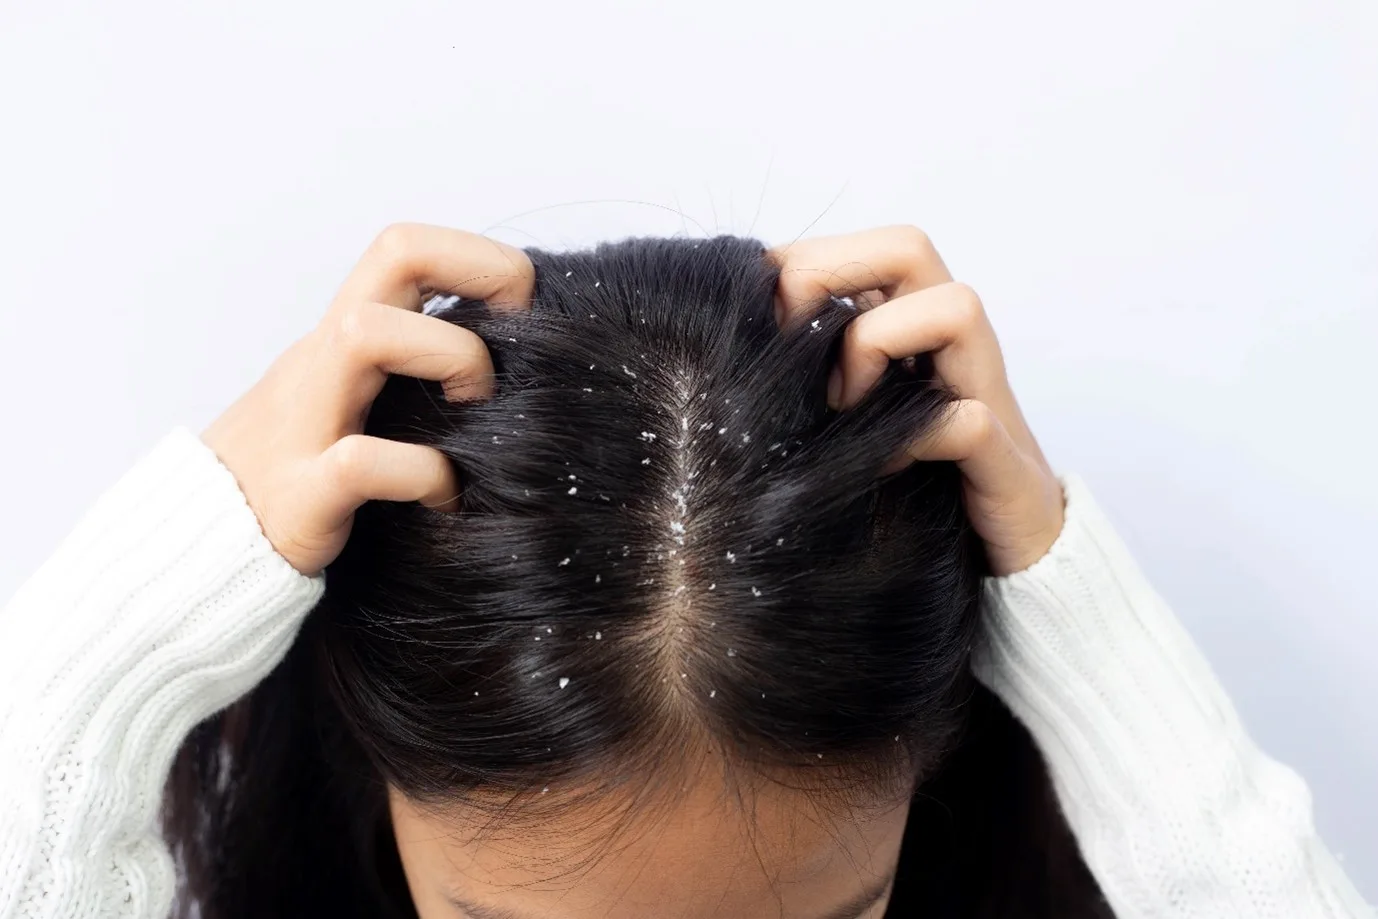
(690, 634)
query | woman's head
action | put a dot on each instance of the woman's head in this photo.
(687, 650)
(679, 589)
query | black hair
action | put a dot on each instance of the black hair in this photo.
(668, 543)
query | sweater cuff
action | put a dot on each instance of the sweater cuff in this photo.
(1170, 800)
(163, 605)
(1083, 648)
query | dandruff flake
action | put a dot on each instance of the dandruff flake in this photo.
(564, 681)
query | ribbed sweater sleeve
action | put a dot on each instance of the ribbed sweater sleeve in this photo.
(163, 605)
(166, 603)
(1176, 811)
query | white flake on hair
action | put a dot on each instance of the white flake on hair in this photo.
(647, 436)
(628, 372)
(713, 586)
(568, 273)
(755, 591)
(521, 417)
(597, 636)
(549, 630)
(722, 430)
(564, 681)
(813, 326)
(574, 490)
(746, 438)
(597, 283)
(545, 789)
(731, 652)
(587, 389)
(731, 556)
(563, 563)
(598, 579)
(713, 694)
(780, 541)
(646, 461)
(590, 366)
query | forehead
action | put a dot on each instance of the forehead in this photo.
(699, 852)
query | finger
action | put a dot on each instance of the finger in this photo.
(408, 262)
(972, 435)
(362, 343)
(360, 468)
(865, 300)
(948, 320)
(895, 260)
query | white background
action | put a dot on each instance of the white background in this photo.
(1171, 209)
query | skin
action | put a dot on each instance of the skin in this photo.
(295, 444)
(701, 857)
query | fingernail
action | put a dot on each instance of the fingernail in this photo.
(835, 388)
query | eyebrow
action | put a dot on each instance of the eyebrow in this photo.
(852, 909)
(474, 911)
(864, 900)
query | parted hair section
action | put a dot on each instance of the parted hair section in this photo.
(668, 542)
(670, 554)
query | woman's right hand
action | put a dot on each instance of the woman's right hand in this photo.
(294, 441)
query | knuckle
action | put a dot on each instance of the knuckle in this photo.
(395, 241)
(971, 312)
(914, 241)
(350, 331)
(347, 459)
(981, 423)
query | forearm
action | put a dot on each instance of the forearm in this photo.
(1176, 811)
(163, 605)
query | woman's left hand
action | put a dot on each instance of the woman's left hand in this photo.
(910, 305)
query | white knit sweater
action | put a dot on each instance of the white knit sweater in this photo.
(167, 602)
